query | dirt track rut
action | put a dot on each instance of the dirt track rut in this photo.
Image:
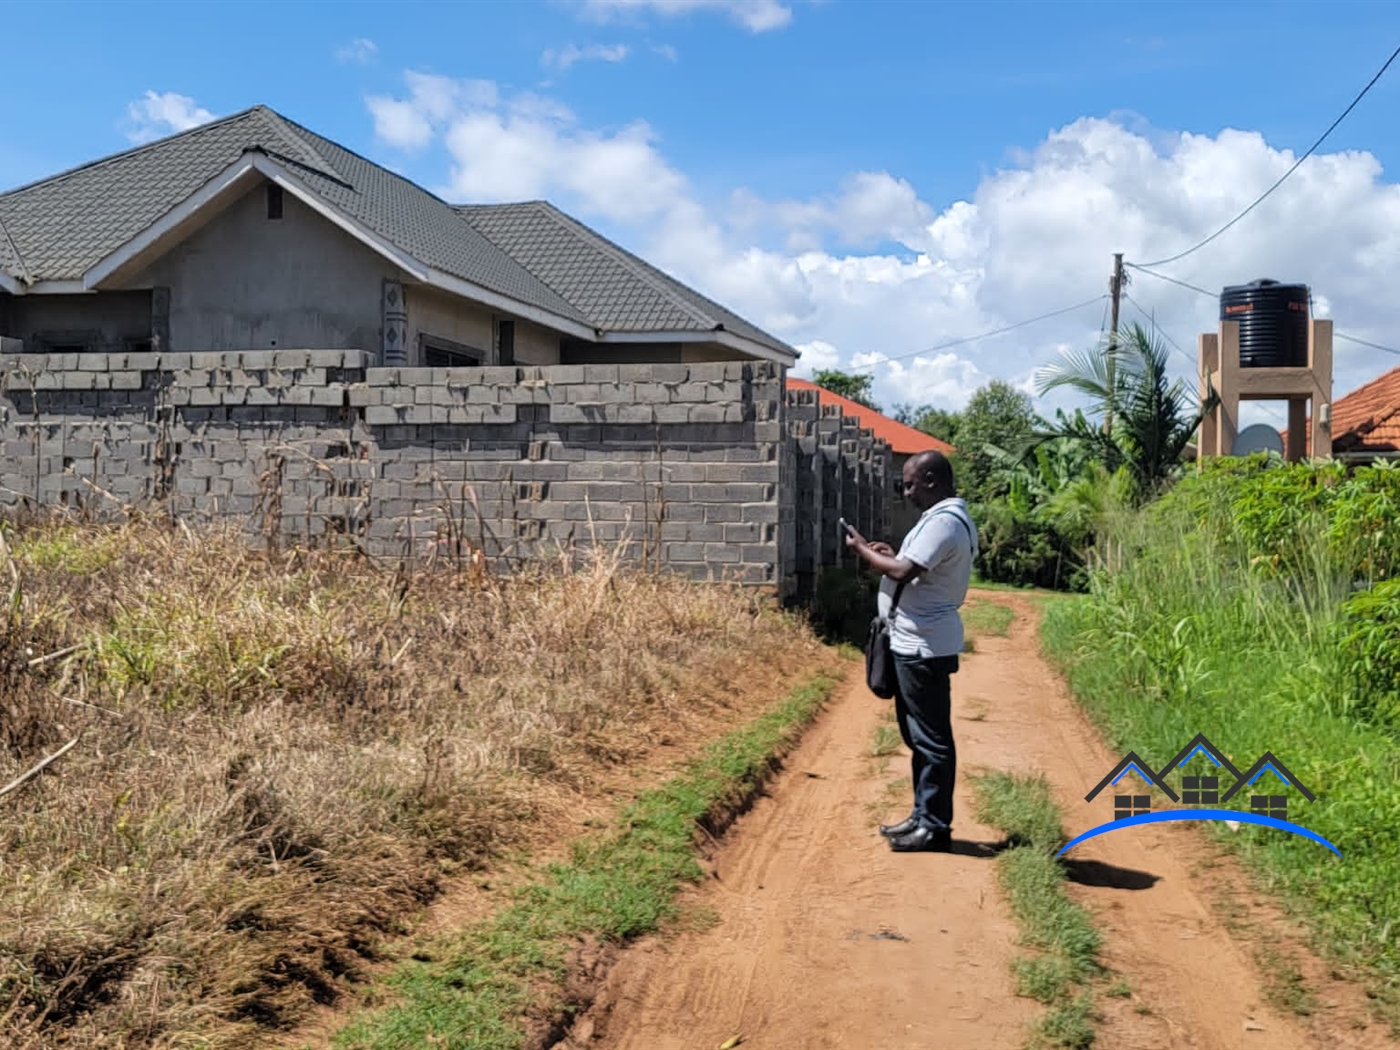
(824, 938)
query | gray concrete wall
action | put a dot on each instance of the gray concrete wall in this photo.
(680, 465)
(100, 323)
(247, 282)
(839, 471)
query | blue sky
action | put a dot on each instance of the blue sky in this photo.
(865, 179)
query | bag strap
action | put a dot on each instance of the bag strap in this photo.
(899, 587)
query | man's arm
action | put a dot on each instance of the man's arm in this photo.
(883, 561)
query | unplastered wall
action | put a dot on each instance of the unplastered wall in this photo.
(840, 470)
(682, 465)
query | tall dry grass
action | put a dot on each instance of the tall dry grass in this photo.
(280, 758)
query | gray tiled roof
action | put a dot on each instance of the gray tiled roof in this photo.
(616, 290)
(58, 228)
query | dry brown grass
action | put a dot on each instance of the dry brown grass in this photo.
(281, 759)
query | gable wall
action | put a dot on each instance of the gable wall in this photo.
(247, 282)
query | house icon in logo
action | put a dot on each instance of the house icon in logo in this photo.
(1125, 806)
(1218, 788)
(1203, 795)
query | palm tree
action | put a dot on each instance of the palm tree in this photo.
(1154, 418)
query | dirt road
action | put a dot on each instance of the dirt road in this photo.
(825, 938)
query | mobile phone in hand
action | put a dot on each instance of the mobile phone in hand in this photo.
(845, 529)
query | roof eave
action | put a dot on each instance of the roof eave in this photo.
(9, 284)
(730, 340)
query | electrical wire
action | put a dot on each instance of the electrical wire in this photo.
(1202, 291)
(1194, 363)
(985, 335)
(1290, 171)
(1366, 342)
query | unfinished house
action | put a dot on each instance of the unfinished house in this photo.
(248, 320)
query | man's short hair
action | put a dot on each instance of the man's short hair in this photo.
(933, 466)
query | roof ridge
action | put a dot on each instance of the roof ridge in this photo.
(291, 130)
(114, 157)
(24, 273)
(622, 256)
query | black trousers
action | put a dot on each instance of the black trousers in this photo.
(923, 705)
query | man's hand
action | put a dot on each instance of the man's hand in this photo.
(883, 548)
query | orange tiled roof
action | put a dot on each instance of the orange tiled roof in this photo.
(1367, 419)
(902, 440)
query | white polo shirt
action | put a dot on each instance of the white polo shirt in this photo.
(927, 623)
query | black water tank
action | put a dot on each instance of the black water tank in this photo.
(1273, 321)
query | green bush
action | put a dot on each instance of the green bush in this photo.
(1369, 651)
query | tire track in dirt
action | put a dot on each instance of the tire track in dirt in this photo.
(825, 938)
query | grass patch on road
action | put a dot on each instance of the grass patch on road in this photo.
(1062, 971)
(982, 617)
(475, 990)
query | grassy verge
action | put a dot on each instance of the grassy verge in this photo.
(281, 761)
(616, 887)
(1062, 971)
(983, 617)
(1191, 637)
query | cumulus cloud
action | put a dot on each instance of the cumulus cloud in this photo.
(359, 52)
(154, 116)
(562, 58)
(871, 276)
(757, 16)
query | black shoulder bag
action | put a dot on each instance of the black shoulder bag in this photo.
(879, 658)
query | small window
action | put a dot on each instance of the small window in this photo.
(1275, 806)
(274, 201)
(505, 342)
(1200, 791)
(1125, 806)
(443, 353)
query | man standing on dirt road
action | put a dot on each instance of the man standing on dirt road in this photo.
(931, 574)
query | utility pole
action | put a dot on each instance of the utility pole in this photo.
(1115, 288)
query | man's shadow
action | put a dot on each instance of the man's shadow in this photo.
(1083, 872)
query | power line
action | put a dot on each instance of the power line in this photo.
(1194, 363)
(1336, 334)
(1366, 342)
(1170, 280)
(1290, 171)
(984, 335)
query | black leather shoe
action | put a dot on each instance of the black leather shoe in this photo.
(905, 826)
(922, 840)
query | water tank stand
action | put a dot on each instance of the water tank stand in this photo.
(1220, 372)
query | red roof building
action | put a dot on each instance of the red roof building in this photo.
(903, 440)
(1366, 422)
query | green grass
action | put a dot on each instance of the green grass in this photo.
(1197, 633)
(1063, 971)
(475, 991)
(982, 617)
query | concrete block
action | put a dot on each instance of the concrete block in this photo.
(721, 554)
(668, 415)
(482, 394)
(79, 381)
(635, 414)
(382, 415)
(126, 380)
(707, 413)
(95, 362)
(325, 358)
(328, 396)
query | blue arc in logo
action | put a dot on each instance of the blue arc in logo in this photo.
(1199, 814)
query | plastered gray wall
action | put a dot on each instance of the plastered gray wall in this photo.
(245, 281)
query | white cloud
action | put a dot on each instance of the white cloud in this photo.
(667, 52)
(758, 16)
(563, 58)
(872, 276)
(154, 116)
(360, 52)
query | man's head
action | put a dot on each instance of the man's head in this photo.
(928, 479)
